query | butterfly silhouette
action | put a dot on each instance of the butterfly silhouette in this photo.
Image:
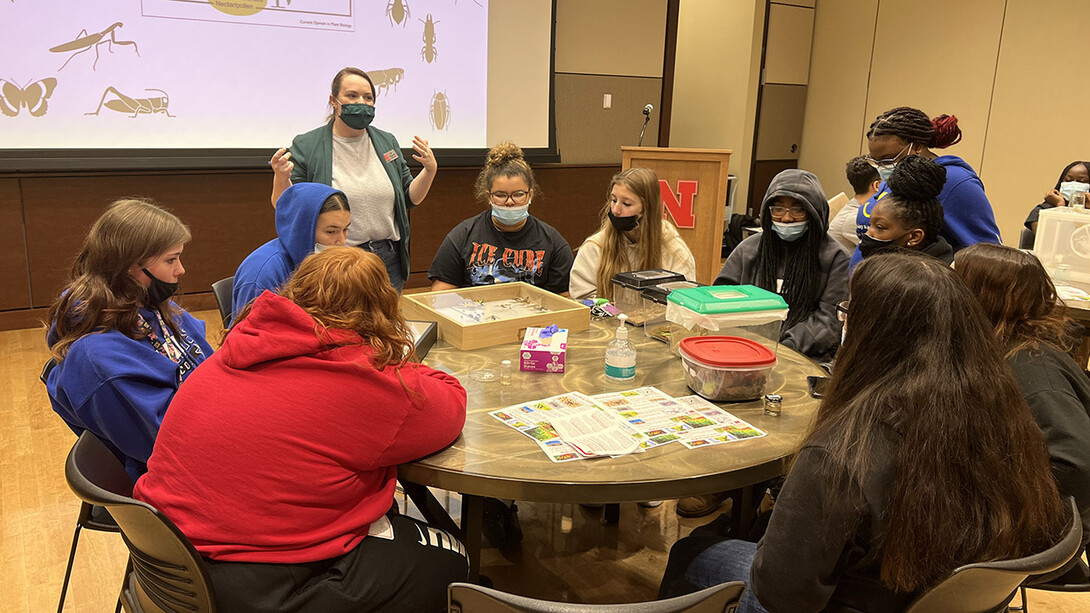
(34, 96)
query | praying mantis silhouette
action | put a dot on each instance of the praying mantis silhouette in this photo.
(85, 42)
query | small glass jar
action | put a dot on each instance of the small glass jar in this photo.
(773, 404)
(505, 372)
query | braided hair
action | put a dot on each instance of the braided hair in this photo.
(802, 285)
(914, 187)
(913, 126)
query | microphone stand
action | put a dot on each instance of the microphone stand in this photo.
(646, 118)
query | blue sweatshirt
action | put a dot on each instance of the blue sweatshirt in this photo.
(967, 216)
(270, 265)
(119, 387)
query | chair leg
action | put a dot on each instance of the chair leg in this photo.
(68, 571)
(1024, 607)
(124, 582)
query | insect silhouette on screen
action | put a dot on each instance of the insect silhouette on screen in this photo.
(440, 111)
(34, 96)
(383, 79)
(137, 106)
(428, 52)
(85, 42)
(398, 12)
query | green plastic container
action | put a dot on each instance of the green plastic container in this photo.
(745, 311)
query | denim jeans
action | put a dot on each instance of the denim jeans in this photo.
(390, 252)
(728, 560)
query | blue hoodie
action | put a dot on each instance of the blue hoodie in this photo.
(270, 265)
(119, 387)
(967, 216)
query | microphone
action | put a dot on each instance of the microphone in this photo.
(646, 118)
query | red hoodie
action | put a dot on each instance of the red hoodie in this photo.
(277, 450)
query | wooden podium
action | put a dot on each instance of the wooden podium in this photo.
(694, 197)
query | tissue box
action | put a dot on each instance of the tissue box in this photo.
(543, 354)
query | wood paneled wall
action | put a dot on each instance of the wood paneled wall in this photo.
(44, 218)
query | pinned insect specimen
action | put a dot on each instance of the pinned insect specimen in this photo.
(398, 12)
(34, 96)
(428, 52)
(137, 106)
(440, 111)
(85, 42)
(383, 79)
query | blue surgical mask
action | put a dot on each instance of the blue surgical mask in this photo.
(790, 232)
(510, 215)
(318, 247)
(885, 172)
(1070, 188)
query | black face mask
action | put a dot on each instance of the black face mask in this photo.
(869, 245)
(159, 291)
(623, 224)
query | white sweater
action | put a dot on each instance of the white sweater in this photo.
(676, 257)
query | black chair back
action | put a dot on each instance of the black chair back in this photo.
(470, 598)
(222, 290)
(987, 587)
(167, 572)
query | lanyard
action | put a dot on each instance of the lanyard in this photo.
(185, 357)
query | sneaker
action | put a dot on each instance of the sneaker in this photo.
(500, 523)
(699, 506)
(649, 504)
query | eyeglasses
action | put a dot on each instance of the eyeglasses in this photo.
(888, 162)
(842, 310)
(519, 197)
(779, 211)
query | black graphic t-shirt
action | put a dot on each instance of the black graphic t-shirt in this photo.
(476, 253)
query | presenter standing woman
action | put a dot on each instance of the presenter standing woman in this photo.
(365, 163)
(122, 346)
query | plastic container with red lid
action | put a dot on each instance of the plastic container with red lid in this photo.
(725, 368)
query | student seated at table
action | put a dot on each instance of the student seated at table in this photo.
(923, 456)
(1021, 302)
(909, 215)
(278, 459)
(309, 218)
(864, 180)
(121, 344)
(1074, 179)
(796, 258)
(633, 236)
(904, 131)
(504, 242)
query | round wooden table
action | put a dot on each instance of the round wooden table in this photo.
(491, 459)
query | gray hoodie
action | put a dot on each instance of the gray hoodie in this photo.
(818, 335)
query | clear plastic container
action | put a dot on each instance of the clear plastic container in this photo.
(654, 307)
(726, 368)
(628, 290)
(735, 310)
(1063, 245)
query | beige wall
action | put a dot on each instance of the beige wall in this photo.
(611, 37)
(995, 76)
(716, 78)
(610, 47)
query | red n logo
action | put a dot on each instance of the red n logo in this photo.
(680, 209)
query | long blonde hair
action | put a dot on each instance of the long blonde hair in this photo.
(101, 295)
(645, 184)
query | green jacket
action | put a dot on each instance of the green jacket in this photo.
(312, 153)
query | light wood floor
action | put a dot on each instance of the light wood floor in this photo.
(567, 553)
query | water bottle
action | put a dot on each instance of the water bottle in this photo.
(621, 355)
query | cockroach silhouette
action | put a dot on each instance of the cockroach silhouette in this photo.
(440, 111)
